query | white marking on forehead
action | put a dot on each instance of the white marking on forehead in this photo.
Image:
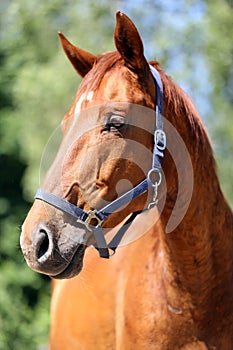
(90, 95)
(83, 97)
(78, 105)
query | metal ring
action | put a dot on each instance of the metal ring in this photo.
(150, 172)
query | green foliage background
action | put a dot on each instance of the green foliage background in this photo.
(193, 41)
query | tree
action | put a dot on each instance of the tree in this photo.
(219, 53)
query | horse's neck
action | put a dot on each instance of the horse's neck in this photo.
(203, 241)
(200, 248)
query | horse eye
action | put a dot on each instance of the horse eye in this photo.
(116, 121)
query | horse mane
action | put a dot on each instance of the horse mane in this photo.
(180, 110)
(102, 65)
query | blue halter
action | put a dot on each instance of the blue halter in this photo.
(100, 215)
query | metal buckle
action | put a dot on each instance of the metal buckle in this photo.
(160, 139)
(91, 214)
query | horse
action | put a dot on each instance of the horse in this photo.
(169, 284)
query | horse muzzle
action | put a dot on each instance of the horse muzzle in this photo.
(53, 249)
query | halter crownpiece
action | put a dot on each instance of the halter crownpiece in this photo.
(152, 180)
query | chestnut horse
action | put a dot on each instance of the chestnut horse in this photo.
(170, 284)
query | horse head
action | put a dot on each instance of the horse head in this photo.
(106, 150)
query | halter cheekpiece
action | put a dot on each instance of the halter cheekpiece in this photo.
(152, 181)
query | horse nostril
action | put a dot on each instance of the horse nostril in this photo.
(42, 246)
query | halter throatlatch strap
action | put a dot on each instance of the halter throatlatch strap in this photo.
(149, 182)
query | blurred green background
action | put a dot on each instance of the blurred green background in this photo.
(192, 40)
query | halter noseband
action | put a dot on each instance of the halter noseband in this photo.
(102, 214)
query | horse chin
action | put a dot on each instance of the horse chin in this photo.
(74, 266)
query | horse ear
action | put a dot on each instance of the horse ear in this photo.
(81, 60)
(128, 42)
